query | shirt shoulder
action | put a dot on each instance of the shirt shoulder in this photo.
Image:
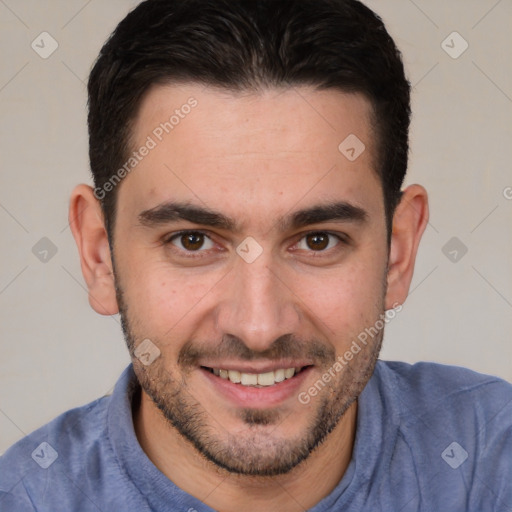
(451, 395)
(434, 379)
(56, 457)
(58, 444)
(455, 427)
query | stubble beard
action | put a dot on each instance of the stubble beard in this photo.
(253, 451)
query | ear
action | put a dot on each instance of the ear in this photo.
(409, 222)
(88, 228)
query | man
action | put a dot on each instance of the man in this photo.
(247, 222)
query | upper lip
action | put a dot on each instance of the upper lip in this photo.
(254, 367)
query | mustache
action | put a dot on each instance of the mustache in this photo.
(232, 347)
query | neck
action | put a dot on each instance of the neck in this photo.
(303, 487)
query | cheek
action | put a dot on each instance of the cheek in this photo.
(346, 299)
(160, 299)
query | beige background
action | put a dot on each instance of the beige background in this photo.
(56, 353)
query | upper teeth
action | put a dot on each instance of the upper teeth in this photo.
(254, 379)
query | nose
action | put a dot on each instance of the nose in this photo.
(258, 305)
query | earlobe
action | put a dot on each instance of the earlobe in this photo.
(88, 228)
(409, 222)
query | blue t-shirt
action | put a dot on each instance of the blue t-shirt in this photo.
(429, 437)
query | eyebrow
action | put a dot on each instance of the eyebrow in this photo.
(171, 211)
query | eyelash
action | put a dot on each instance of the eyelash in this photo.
(343, 239)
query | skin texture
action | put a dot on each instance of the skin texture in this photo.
(255, 158)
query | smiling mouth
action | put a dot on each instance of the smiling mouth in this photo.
(258, 380)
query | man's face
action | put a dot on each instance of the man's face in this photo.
(257, 288)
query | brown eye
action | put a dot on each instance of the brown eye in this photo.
(317, 241)
(191, 241)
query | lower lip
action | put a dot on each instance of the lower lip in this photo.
(264, 397)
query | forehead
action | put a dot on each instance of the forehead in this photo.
(252, 152)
